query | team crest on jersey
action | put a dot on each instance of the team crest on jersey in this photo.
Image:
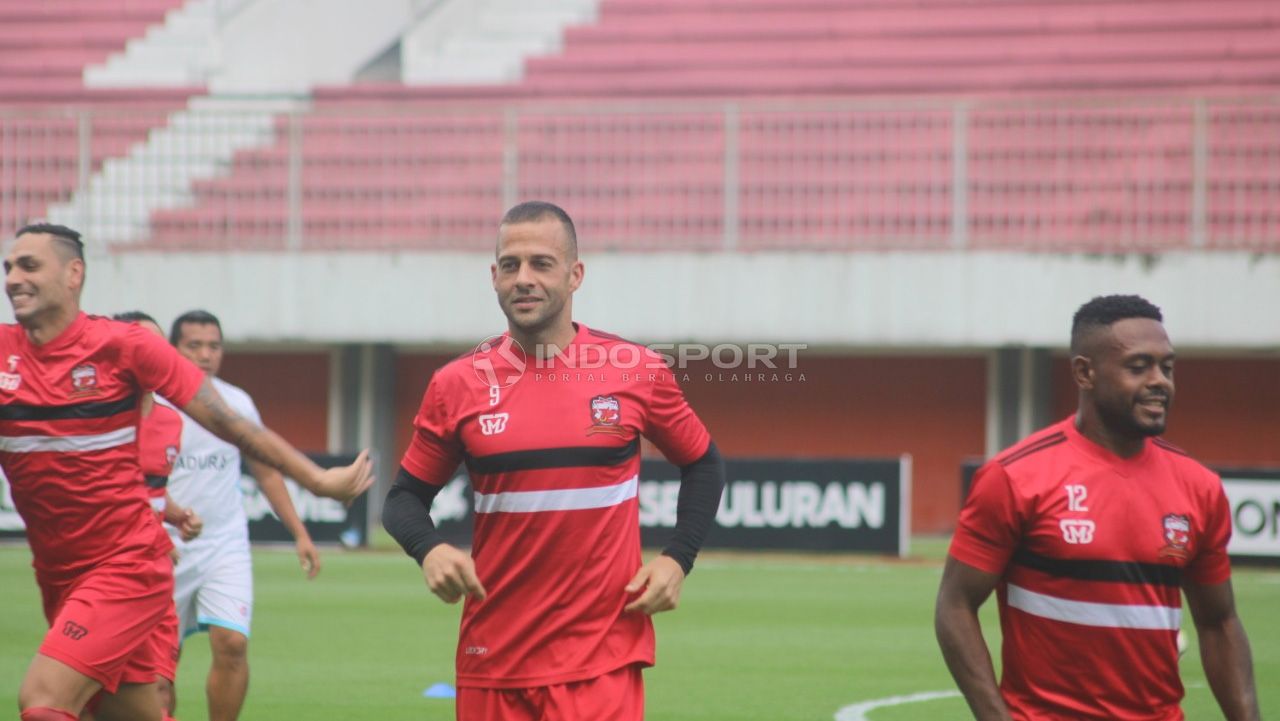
(1077, 531)
(9, 381)
(170, 455)
(1177, 536)
(491, 424)
(606, 416)
(84, 380)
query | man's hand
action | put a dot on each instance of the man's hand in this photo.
(662, 578)
(186, 520)
(451, 574)
(308, 556)
(189, 524)
(345, 483)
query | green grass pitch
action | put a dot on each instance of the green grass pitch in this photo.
(768, 637)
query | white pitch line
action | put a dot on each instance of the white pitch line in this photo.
(858, 711)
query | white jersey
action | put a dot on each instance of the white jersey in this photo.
(206, 474)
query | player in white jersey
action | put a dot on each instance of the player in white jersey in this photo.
(214, 575)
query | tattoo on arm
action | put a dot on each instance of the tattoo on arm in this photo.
(214, 414)
(217, 411)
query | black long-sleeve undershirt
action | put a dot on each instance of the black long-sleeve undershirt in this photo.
(701, 484)
(406, 514)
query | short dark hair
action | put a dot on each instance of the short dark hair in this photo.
(1104, 310)
(68, 238)
(135, 316)
(531, 211)
(197, 317)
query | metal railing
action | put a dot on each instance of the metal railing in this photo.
(1105, 175)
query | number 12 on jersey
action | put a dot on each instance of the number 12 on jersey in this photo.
(1075, 497)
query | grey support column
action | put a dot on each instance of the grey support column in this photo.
(364, 384)
(1019, 395)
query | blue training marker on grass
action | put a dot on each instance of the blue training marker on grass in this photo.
(440, 690)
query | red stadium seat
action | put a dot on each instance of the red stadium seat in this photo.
(428, 167)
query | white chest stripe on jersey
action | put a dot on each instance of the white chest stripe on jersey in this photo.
(572, 499)
(1104, 615)
(68, 444)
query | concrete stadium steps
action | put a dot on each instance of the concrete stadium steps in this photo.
(180, 51)
(196, 142)
(57, 39)
(56, 132)
(485, 41)
(42, 148)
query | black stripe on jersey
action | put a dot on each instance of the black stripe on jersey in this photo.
(1150, 574)
(96, 409)
(543, 458)
(1170, 447)
(1040, 445)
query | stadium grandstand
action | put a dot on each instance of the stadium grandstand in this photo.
(918, 192)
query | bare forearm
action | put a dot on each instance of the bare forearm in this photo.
(172, 511)
(272, 485)
(960, 638)
(265, 446)
(1228, 666)
(258, 443)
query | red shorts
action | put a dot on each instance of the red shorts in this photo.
(165, 645)
(115, 623)
(615, 696)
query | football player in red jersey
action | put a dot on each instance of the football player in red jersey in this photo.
(556, 621)
(68, 430)
(1090, 531)
(159, 437)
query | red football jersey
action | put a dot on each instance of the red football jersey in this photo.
(554, 460)
(159, 440)
(1092, 549)
(68, 432)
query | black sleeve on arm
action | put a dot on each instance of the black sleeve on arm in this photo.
(701, 484)
(405, 515)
